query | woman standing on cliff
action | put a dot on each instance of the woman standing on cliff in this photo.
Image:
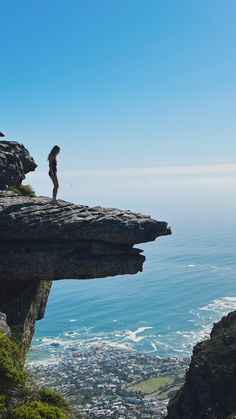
(52, 159)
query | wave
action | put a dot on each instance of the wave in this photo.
(144, 339)
(132, 335)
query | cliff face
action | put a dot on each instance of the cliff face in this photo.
(23, 304)
(210, 386)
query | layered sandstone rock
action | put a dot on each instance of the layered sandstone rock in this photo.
(43, 241)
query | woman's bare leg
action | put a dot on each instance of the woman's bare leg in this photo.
(55, 187)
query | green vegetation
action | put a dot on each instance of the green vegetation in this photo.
(11, 362)
(162, 387)
(53, 398)
(33, 403)
(218, 356)
(2, 402)
(23, 190)
(168, 393)
(38, 410)
(154, 384)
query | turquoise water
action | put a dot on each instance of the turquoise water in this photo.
(188, 280)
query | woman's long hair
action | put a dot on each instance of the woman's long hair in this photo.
(54, 151)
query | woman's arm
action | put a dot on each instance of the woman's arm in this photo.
(50, 160)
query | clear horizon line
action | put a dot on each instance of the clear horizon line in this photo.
(197, 169)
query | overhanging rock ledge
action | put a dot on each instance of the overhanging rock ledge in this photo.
(43, 241)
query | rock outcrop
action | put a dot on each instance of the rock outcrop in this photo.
(43, 241)
(15, 163)
(209, 391)
(22, 304)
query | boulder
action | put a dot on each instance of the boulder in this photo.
(15, 163)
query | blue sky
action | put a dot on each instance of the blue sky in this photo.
(120, 83)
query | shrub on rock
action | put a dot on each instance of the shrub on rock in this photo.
(38, 410)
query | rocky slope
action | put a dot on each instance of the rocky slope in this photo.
(209, 391)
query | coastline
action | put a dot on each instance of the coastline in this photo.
(98, 383)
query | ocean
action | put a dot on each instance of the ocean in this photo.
(188, 280)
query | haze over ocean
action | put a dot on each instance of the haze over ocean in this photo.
(188, 280)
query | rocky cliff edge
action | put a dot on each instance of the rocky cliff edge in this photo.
(209, 391)
(43, 241)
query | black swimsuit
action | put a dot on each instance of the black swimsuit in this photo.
(53, 169)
